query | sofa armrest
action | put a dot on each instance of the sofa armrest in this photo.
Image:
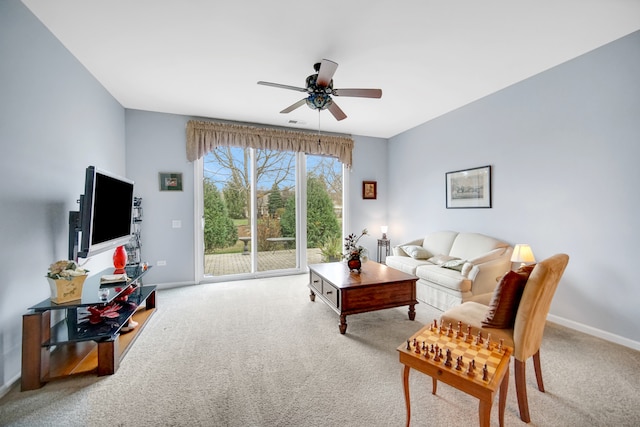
(485, 276)
(399, 252)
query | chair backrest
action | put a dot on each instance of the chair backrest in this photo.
(534, 305)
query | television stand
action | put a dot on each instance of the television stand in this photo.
(73, 346)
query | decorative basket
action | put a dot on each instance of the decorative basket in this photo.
(63, 290)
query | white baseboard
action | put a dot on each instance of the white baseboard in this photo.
(608, 336)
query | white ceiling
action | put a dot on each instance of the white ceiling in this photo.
(203, 57)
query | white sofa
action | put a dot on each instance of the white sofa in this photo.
(452, 267)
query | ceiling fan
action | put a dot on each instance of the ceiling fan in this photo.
(319, 88)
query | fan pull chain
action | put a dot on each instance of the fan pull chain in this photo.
(319, 144)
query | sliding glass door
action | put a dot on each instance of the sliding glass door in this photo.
(268, 212)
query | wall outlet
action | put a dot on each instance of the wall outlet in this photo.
(161, 263)
(176, 223)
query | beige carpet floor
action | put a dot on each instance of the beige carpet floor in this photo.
(260, 353)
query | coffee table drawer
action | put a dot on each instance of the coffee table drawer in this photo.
(331, 293)
(316, 283)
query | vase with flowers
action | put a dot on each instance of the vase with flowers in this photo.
(66, 279)
(355, 254)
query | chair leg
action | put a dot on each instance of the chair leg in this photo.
(536, 366)
(521, 389)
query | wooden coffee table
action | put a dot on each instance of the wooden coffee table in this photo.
(417, 353)
(376, 287)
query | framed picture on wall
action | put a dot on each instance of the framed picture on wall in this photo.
(170, 181)
(469, 188)
(369, 189)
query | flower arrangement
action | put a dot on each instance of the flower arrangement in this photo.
(65, 269)
(353, 251)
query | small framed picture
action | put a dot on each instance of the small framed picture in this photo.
(170, 181)
(369, 189)
(469, 188)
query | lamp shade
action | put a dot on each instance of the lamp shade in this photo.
(384, 229)
(522, 253)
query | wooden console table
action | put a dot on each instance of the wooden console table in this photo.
(73, 346)
(376, 287)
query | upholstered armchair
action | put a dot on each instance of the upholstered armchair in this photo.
(525, 336)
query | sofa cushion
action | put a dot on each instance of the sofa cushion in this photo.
(444, 277)
(416, 252)
(439, 242)
(405, 263)
(506, 298)
(473, 245)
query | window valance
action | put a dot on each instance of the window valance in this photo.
(203, 137)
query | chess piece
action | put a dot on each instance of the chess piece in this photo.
(435, 324)
(448, 359)
(500, 345)
(459, 333)
(417, 346)
(449, 330)
(471, 367)
(485, 373)
(459, 363)
(468, 337)
(415, 342)
(426, 354)
(488, 343)
(437, 354)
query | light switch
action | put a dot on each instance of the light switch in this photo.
(176, 223)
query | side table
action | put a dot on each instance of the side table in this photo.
(472, 364)
(384, 246)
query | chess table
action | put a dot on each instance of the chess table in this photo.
(489, 376)
(375, 287)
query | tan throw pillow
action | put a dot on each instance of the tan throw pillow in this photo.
(505, 300)
(416, 252)
(441, 259)
(454, 264)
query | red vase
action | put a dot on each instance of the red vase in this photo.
(119, 259)
(354, 264)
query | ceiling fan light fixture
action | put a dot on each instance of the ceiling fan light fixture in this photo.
(319, 101)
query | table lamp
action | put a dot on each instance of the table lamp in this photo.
(384, 229)
(523, 254)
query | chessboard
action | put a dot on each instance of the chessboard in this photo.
(474, 356)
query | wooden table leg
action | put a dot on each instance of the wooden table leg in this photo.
(502, 402)
(435, 385)
(412, 312)
(343, 323)
(485, 413)
(405, 384)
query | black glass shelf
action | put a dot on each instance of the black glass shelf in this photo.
(76, 327)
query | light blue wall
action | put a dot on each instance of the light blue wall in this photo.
(55, 120)
(564, 147)
(156, 143)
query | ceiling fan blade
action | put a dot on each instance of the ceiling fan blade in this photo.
(299, 89)
(337, 112)
(292, 107)
(361, 93)
(325, 73)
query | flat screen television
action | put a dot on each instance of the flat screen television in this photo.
(106, 212)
